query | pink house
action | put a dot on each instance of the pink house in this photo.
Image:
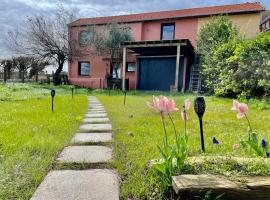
(162, 56)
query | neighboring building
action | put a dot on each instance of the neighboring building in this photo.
(265, 22)
(162, 55)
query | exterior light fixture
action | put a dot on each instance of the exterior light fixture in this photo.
(199, 107)
(72, 91)
(52, 95)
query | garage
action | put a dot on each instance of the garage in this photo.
(158, 73)
(162, 65)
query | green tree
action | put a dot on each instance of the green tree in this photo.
(217, 32)
(106, 42)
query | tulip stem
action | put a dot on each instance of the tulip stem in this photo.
(175, 134)
(164, 127)
(250, 129)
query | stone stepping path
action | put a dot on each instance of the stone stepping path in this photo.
(94, 184)
(95, 127)
(96, 109)
(92, 137)
(96, 120)
(87, 184)
(96, 112)
(85, 154)
(96, 115)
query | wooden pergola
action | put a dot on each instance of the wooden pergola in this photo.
(182, 46)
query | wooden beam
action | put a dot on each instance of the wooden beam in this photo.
(124, 68)
(177, 67)
(184, 75)
(153, 45)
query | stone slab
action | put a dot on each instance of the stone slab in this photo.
(92, 137)
(94, 184)
(252, 188)
(96, 115)
(96, 109)
(95, 127)
(96, 112)
(95, 104)
(85, 154)
(98, 120)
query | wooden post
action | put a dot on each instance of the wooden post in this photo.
(177, 67)
(184, 75)
(124, 69)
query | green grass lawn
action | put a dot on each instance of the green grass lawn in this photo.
(31, 135)
(138, 131)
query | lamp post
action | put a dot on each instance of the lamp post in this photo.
(52, 95)
(199, 107)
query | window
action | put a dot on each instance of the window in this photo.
(84, 37)
(116, 70)
(84, 68)
(131, 67)
(167, 31)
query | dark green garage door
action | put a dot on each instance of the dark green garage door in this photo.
(158, 73)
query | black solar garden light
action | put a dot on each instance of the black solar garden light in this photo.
(199, 107)
(52, 95)
(72, 91)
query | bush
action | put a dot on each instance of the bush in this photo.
(212, 35)
(244, 67)
(233, 66)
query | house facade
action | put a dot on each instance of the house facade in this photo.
(161, 57)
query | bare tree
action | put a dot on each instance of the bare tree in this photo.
(44, 38)
(106, 42)
(37, 67)
(6, 66)
(23, 64)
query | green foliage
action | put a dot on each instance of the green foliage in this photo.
(233, 66)
(255, 145)
(173, 159)
(213, 34)
(107, 40)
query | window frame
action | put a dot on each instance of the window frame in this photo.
(79, 37)
(134, 66)
(167, 24)
(79, 68)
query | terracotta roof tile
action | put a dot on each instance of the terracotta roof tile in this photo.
(193, 12)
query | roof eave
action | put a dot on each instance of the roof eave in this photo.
(170, 18)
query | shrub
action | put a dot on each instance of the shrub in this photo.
(212, 35)
(244, 67)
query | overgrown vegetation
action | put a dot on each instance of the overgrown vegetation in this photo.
(31, 135)
(232, 65)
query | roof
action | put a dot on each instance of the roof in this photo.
(185, 13)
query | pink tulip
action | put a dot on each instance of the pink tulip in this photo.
(184, 116)
(187, 104)
(163, 104)
(241, 108)
(186, 107)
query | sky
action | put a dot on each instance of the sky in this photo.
(14, 12)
